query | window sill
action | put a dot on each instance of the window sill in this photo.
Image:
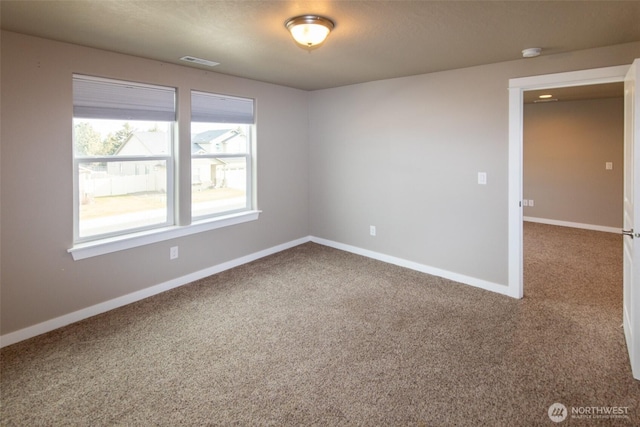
(114, 244)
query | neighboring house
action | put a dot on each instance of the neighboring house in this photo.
(218, 141)
(140, 144)
(224, 172)
(146, 176)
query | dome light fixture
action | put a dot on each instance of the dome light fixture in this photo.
(309, 30)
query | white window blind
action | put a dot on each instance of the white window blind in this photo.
(95, 98)
(212, 108)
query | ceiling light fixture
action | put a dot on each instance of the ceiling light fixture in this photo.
(531, 52)
(309, 30)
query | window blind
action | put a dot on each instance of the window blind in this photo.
(95, 98)
(209, 107)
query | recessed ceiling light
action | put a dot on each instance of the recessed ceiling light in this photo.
(200, 61)
(545, 96)
(531, 52)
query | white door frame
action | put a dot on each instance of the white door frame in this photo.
(631, 249)
(516, 89)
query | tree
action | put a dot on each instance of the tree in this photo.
(113, 142)
(87, 140)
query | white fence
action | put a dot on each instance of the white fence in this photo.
(114, 185)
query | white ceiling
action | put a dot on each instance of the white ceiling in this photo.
(372, 40)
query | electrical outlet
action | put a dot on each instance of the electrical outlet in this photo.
(173, 252)
(372, 230)
(531, 202)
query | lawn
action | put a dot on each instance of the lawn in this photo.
(114, 205)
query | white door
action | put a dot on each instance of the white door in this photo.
(631, 222)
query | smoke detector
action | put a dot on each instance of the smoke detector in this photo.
(531, 52)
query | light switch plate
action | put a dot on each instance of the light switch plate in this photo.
(608, 166)
(482, 178)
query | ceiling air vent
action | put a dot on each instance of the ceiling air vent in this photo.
(200, 61)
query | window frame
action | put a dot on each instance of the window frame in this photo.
(241, 115)
(248, 156)
(114, 114)
(180, 221)
(248, 187)
(170, 207)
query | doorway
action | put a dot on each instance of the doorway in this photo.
(517, 87)
(573, 170)
(573, 156)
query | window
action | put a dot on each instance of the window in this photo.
(126, 167)
(123, 157)
(221, 154)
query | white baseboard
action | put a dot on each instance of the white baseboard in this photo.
(76, 316)
(456, 277)
(573, 224)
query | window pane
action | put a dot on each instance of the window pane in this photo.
(216, 138)
(102, 137)
(121, 195)
(221, 145)
(218, 185)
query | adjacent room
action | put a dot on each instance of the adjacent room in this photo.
(573, 156)
(206, 221)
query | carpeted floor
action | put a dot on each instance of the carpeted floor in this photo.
(316, 336)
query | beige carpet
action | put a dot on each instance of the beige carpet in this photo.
(316, 336)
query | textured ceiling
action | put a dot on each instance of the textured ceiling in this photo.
(372, 40)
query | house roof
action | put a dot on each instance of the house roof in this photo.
(155, 142)
(204, 142)
(208, 136)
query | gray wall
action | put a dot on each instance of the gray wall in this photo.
(40, 281)
(401, 154)
(566, 146)
(404, 154)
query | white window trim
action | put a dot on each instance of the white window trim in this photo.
(85, 248)
(133, 240)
